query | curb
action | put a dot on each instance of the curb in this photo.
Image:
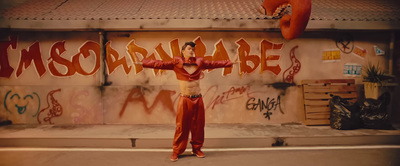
(259, 142)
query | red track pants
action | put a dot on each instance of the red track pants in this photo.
(190, 117)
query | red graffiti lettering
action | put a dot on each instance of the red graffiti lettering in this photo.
(220, 53)
(163, 97)
(156, 71)
(174, 49)
(266, 45)
(174, 45)
(73, 66)
(200, 50)
(133, 51)
(113, 61)
(85, 50)
(60, 65)
(244, 57)
(5, 68)
(55, 57)
(32, 55)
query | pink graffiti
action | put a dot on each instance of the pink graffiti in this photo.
(56, 109)
(84, 113)
(288, 75)
(232, 94)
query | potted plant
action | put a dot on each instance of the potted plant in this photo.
(376, 82)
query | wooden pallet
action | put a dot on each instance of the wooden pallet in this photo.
(317, 93)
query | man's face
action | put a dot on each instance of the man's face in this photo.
(188, 51)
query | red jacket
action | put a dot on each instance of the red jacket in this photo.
(177, 63)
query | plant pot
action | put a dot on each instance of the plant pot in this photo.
(373, 90)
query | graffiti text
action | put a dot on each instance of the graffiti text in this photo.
(269, 105)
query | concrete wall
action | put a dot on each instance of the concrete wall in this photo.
(59, 77)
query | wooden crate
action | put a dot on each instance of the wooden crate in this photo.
(316, 95)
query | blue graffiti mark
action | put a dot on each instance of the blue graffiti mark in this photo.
(5, 103)
(15, 95)
(21, 109)
(28, 96)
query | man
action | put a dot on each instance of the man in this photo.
(190, 114)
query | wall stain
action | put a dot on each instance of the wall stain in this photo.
(282, 86)
(133, 140)
(291, 123)
(279, 142)
(64, 127)
(124, 35)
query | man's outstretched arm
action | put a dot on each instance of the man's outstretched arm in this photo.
(157, 64)
(221, 63)
(216, 64)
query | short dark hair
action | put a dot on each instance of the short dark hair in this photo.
(190, 44)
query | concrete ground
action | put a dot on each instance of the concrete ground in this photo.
(279, 156)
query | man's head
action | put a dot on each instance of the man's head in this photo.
(188, 49)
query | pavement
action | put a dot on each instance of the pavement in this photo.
(216, 136)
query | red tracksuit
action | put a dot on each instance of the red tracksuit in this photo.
(190, 114)
(190, 117)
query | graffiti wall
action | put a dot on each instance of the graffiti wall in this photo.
(73, 78)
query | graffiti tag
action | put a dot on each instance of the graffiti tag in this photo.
(271, 104)
(136, 95)
(345, 43)
(288, 75)
(54, 109)
(231, 94)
